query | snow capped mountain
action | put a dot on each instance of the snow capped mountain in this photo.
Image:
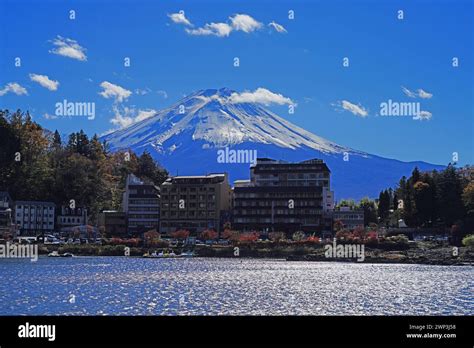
(210, 116)
(185, 138)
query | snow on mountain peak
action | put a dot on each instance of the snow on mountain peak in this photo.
(210, 116)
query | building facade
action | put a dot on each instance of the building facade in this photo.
(194, 203)
(283, 196)
(71, 217)
(7, 227)
(34, 218)
(113, 223)
(350, 217)
(141, 202)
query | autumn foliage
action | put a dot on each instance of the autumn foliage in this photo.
(180, 234)
(208, 235)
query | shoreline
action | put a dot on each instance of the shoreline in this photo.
(427, 253)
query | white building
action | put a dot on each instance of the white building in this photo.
(350, 218)
(34, 218)
(71, 217)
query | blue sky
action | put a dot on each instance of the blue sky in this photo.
(303, 63)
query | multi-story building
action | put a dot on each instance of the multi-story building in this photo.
(34, 218)
(141, 202)
(7, 229)
(71, 217)
(194, 203)
(283, 196)
(349, 216)
(113, 223)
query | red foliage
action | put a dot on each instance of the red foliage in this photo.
(344, 235)
(249, 237)
(180, 234)
(313, 239)
(359, 233)
(208, 235)
(372, 235)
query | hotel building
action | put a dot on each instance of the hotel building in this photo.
(34, 218)
(141, 202)
(283, 196)
(194, 203)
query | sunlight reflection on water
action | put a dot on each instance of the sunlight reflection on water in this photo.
(136, 286)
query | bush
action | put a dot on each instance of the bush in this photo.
(399, 239)
(249, 237)
(298, 236)
(276, 236)
(180, 234)
(398, 242)
(468, 241)
(208, 235)
(313, 240)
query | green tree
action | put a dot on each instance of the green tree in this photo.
(370, 210)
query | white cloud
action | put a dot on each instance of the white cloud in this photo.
(179, 18)
(357, 110)
(278, 27)
(423, 115)
(408, 93)
(245, 23)
(142, 91)
(45, 81)
(114, 91)
(217, 29)
(68, 48)
(238, 22)
(49, 116)
(129, 116)
(13, 87)
(261, 96)
(419, 93)
(162, 93)
(423, 94)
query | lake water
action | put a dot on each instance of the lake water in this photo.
(204, 286)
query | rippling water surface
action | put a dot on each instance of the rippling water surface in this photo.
(201, 286)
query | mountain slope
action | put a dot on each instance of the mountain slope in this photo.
(185, 139)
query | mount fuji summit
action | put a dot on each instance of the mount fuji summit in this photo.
(187, 137)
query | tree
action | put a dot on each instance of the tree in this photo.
(468, 198)
(338, 225)
(151, 238)
(147, 168)
(424, 202)
(298, 236)
(208, 235)
(57, 143)
(384, 205)
(276, 236)
(180, 234)
(449, 196)
(370, 210)
(249, 237)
